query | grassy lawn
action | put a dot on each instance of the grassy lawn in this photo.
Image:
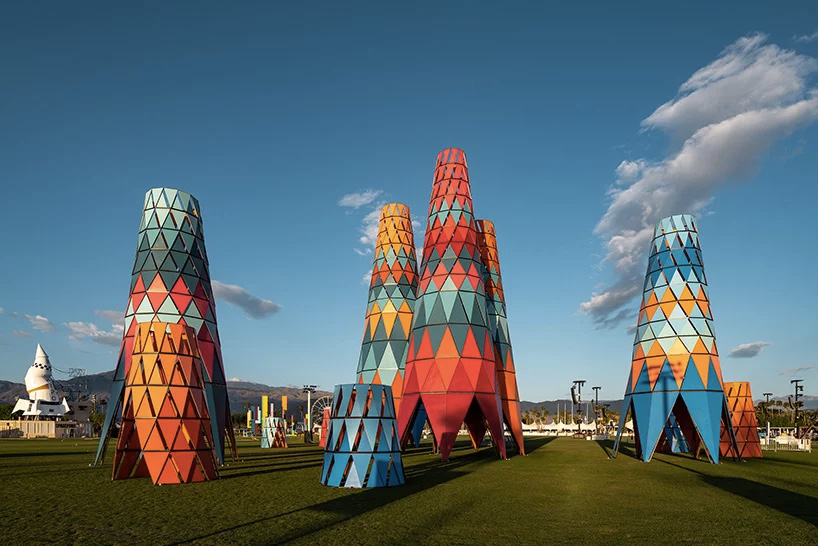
(565, 491)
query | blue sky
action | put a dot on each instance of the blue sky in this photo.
(581, 125)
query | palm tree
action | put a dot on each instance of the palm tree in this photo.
(790, 407)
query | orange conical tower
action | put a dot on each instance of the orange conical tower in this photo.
(166, 432)
(392, 293)
(496, 304)
(745, 422)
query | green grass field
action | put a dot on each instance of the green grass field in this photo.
(564, 491)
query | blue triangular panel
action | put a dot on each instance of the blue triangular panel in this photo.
(713, 383)
(420, 421)
(692, 380)
(665, 381)
(342, 394)
(643, 383)
(389, 410)
(338, 466)
(651, 412)
(396, 474)
(626, 404)
(705, 411)
(361, 395)
(361, 463)
(379, 468)
(365, 443)
(352, 430)
(375, 405)
(327, 458)
(371, 432)
(353, 479)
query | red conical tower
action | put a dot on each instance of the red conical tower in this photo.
(450, 367)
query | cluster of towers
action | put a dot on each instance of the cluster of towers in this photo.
(437, 333)
(436, 349)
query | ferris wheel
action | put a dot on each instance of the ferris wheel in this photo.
(317, 411)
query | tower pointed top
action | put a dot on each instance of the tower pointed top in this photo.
(40, 357)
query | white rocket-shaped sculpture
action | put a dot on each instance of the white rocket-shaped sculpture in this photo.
(42, 396)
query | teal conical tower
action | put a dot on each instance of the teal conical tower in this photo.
(170, 282)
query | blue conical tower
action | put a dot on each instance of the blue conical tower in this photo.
(675, 381)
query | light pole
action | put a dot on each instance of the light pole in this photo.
(798, 390)
(596, 405)
(576, 394)
(309, 389)
(768, 395)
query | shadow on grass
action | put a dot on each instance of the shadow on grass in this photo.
(787, 502)
(269, 469)
(629, 450)
(626, 449)
(44, 454)
(604, 444)
(419, 478)
(533, 444)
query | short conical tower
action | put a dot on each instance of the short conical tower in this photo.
(745, 422)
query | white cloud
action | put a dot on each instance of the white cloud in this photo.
(114, 317)
(628, 171)
(253, 307)
(20, 333)
(369, 226)
(235, 379)
(747, 76)
(2, 311)
(363, 252)
(88, 330)
(748, 350)
(806, 37)
(41, 323)
(367, 278)
(727, 115)
(357, 200)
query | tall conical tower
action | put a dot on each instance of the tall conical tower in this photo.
(496, 304)
(450, 365)
(392, 293)
(675, 370)
(171, 283)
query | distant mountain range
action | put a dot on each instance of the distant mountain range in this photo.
(246, 392)
(238, 392)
